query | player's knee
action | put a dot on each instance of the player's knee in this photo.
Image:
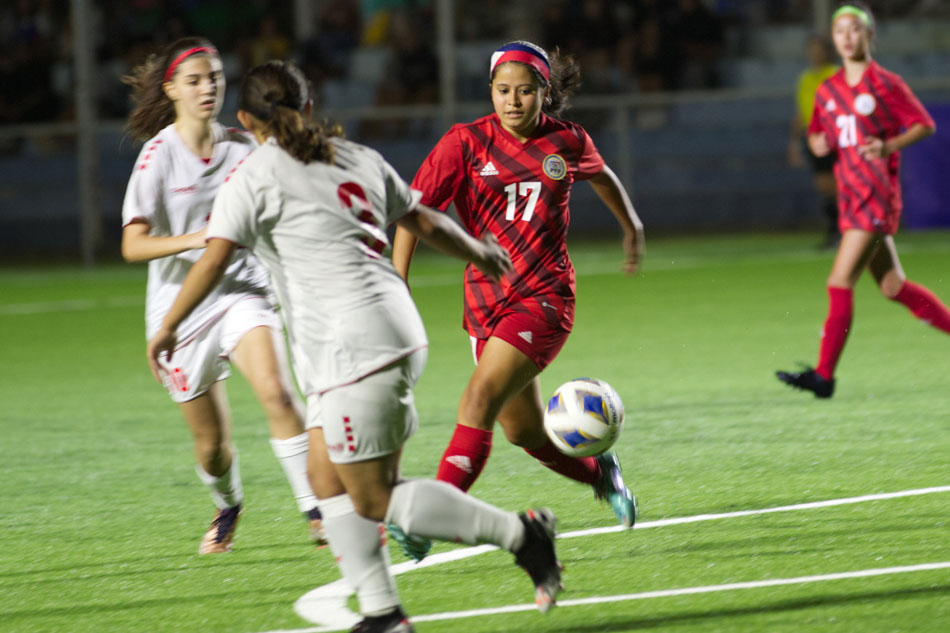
(276, 400)
(213, 454)
(370, 505)
(480, 403)
(891, 287)
(524, 436)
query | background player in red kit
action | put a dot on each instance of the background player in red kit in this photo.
(510, 173)
(867, 115)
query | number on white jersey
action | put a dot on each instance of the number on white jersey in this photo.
(354, 199)
(530, 189)
(847, 130)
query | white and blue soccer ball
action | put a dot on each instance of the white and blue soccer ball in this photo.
(584, 417)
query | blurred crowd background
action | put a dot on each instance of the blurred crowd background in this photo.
(674, 91)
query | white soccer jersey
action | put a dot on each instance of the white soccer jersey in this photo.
(320, 230)
(172, 190)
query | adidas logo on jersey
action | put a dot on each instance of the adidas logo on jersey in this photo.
(462, 462)
(488, 170)
(526, 335)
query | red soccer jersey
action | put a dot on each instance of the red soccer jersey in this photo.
(880, 105)
(519, 192)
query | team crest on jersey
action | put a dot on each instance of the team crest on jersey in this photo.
(830, 105)
(864, 104)
(554, 167)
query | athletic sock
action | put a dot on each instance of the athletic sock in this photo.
(437, 510)
(226, 490)
(465, 457)
(583, 469)
(357, 544)
(924, 305)
(292, 455)
(835, 333)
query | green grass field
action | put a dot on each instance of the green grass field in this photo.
(102, 513)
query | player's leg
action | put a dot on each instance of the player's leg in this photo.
(827, 188)
(437, 510)
(365, 425)
(208, 417)
(501, 372)
(854, 254)
(922, 303)
(260, 354)
(522, 418)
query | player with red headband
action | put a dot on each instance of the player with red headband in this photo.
(866, 115)
(510, 174)
(187, 156)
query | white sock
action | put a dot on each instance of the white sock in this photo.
(226, 490)
(438, 510)
(292, 455)
(357, 544)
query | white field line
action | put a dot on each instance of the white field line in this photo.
(755, 584)
(326, 605)
(73, 305)
(666, 593)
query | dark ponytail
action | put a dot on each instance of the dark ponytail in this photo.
(276, 93)
(565, 80)
(153, 110)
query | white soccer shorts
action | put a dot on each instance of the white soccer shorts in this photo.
(372, 417)
(204, 360)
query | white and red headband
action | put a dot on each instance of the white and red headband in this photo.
(524, 52)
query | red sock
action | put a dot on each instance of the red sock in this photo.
(583, 469)
(924, 305)
(835, 332)
(465, 457)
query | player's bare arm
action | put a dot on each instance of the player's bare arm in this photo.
(404, 246)
(442, 233)
(139, 246)
(203, 276)
(875, 147)
(818, 144)
(609, 189)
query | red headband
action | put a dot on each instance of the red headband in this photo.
(191, 51)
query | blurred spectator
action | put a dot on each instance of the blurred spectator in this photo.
(412, 72)
(701, 41)
(820, 56)
(269, 43)
(593, 40)
(26, 64)
(557, 26)
(327, 55)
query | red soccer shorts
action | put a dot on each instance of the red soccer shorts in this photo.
(536, 336)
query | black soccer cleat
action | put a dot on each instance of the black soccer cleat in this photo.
(396, 621)
(808, 380)
(536, 556)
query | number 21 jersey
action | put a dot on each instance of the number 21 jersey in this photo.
(879, 105)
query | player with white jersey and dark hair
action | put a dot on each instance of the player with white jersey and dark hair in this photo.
(315, 208)
(186, 157)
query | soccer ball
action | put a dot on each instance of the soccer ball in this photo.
(584, 417)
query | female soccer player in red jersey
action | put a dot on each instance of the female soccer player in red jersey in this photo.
(186, 158)
(510, 174)
(867, 115)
